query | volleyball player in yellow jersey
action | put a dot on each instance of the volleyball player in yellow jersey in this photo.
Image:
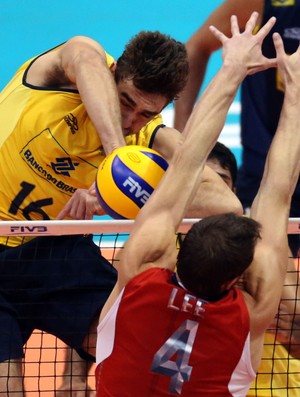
(61, 113)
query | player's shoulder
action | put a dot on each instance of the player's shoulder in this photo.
(146, 136)
(152, 125)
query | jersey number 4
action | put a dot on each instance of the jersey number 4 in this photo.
(180, 343)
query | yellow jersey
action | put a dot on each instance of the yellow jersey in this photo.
(278, 374)
(48, 149)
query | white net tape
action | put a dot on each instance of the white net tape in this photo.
(64, 227)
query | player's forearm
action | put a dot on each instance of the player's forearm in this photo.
(213, 197)
(282, 165)
(99, 95)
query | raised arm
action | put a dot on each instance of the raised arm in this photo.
(202, 44)
(266, 275)
(81, 64)
(158, 220)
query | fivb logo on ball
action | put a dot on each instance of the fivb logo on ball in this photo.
(126, 179)
(136, 190)
(134, 186)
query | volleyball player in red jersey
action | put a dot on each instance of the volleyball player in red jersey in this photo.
(198, 331)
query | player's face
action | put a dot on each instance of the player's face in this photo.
(137, 107)
(223, 172)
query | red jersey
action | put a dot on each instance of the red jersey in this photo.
(160, 340)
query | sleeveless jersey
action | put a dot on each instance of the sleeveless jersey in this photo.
(160, 340)
(262, 98)
(48, 149)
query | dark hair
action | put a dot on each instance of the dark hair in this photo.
(216, 250)
(226, 159)
(156, 63)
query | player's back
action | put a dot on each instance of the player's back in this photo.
(160, 340)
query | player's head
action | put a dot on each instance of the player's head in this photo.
(156, 63)
(223, 162)
(215, 252)
(150, 73)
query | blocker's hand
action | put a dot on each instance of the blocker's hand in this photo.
(82, 205)
(244, 48)
(288, 64)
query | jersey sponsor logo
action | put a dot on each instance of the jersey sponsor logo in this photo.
(72, 122)
(27, 230)
(63, 165)
(40, 170)
(292, 33)
(283, 3)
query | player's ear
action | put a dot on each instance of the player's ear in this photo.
(229, 284)
(113, 66)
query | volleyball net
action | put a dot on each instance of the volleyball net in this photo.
(46, 357)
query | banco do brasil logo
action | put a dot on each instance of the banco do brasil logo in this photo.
(64, 165)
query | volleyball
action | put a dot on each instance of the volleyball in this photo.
(126, 178)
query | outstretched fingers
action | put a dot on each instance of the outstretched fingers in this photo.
(235, 29)
(265, 30)
(278, 44)
(244, 47)
(249, 28)
(288, 64)
(251, 23)
(218, 34)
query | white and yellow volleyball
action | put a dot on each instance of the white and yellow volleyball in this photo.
(126, 178)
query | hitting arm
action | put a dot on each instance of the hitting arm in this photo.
(80, 63)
